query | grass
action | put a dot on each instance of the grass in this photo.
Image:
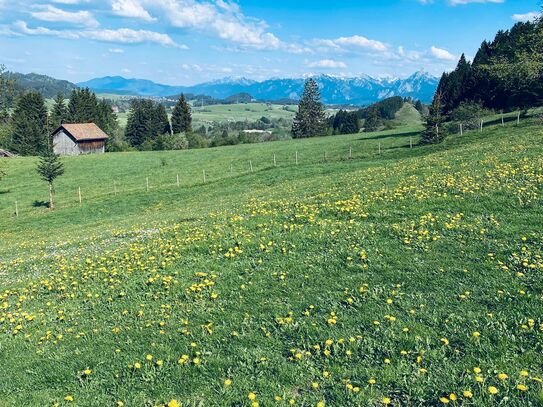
(206, 115)
(407, 278)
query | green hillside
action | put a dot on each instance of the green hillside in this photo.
(412, 276)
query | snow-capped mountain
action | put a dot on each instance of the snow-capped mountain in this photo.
(361, 90)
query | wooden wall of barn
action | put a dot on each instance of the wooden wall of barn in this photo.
(65, 145)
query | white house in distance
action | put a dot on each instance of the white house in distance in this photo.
(79, 138)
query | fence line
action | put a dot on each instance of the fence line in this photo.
(176, 182)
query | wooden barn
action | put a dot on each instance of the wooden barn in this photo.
(79, 138)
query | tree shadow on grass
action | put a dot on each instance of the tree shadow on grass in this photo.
(40, 204)
(4, 191)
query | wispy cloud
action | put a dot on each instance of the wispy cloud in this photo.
(121, 35)
(355, 42)
(531, 16)
(53, 14)
(442, 54)
(131, 9)
(327, 64)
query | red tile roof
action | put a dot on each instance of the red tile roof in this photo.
(83, 131)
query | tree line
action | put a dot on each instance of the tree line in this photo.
(506, 74)
(27, 130)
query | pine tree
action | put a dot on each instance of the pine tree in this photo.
(433, 132)
(50, 167)
(60, 111)
(29, 124)
(181, 117)
(310, 120)
(6, 95)
(163, 123)
(374, 121)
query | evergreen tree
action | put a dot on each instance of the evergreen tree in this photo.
(29, 124)
(310, 120)
(433, 132)
(181, 117)
(373, 121)
(6, 94)
(84, 107)
(60, 111)
(163, 123)
(50, 167)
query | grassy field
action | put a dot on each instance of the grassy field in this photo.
(206, 115)
(410, 277)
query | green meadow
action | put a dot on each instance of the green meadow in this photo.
(372, 271)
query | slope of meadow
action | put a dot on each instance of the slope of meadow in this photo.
(413, 277)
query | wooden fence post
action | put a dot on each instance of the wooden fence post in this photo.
(251, 165)
(147, 183)
(204, 176)
(410, 142)
(79, 193)
(503, 121)
(177, 179)
(296, 157)
(324, 156)
(379, 148)
(274, 161)
(482, 122)
(518, 118)
(461, 130)
(350, 152)
(115, 188)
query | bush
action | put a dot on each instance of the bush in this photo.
(196, 140)
(469, 114)
(170, 142)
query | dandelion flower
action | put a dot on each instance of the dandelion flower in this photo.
(492, 390)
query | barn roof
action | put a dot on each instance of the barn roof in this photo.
(83, 131)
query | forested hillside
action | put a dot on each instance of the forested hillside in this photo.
(506, 73)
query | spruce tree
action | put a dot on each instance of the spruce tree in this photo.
(310, 120)
(163, 123)
(60, 112)
(181, 117)
(6, 95)
(433, 133)
(374, 120)
(49, 168)
(29, 124)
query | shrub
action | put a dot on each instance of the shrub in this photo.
(469, 114)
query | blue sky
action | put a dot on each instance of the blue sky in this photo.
(184, 42)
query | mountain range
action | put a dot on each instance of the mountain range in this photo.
(361, 90)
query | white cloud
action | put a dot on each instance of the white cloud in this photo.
(221, 18)
(353, 43)
(532, 16)
(121, 35)
(116, 51)
(53, 14)
(327, 63)
(363, 42)
(131, 9)
(460, 2)
(442, 54)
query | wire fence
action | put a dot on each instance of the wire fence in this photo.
(240, 168)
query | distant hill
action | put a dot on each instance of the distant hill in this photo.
(334, 90)
(44, 84)
(131, 87)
